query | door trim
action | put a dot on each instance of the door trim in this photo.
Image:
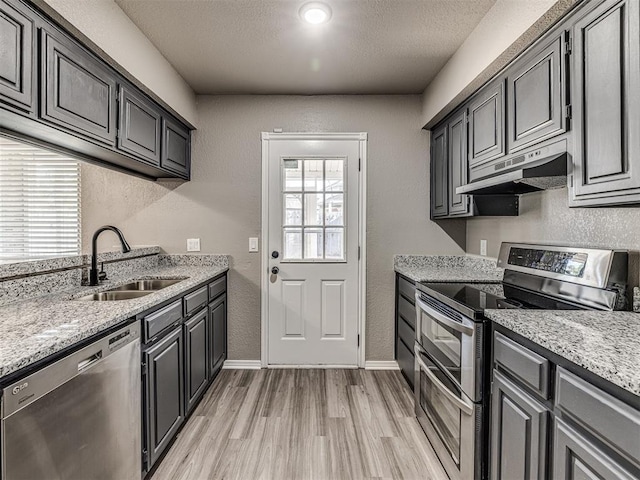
(268, 137)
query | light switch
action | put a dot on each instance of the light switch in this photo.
(193, 244)
(253, 244)
(483, 248)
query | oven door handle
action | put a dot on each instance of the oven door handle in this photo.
(464, 329)
(465, 407)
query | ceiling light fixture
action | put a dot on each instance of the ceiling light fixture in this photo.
(315, 13)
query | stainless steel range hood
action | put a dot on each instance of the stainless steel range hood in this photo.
(541, 169)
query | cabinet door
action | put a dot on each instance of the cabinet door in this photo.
(534, 92)
(196, 340)
(16, 55)
(518, 432)
(607, 102)
(78, 93)
(176, 148)
(486, 125)
(164, 406)
(439, 174)
(458, 164)
(576, 457)
(140, 127)
(218, 337)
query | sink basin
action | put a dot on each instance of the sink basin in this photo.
(111, 296)
(147, 285)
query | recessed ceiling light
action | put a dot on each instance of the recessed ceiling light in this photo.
(315, 13)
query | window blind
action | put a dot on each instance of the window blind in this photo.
(39, 203)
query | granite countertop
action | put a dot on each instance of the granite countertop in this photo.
(448, 268)
(604, 343)
(34, 329)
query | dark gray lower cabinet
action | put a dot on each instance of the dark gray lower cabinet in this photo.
(164, 387)
(196, 339)
(77, 92)
(576, 457)
(518, 432)
(218, 334)
(17, 55)
(405, 327)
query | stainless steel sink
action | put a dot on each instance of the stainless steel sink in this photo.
(147, 285)
(111, 296)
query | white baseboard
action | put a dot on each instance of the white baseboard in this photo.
(242, 365)
(381, 365)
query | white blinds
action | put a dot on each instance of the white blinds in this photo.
(39, 203)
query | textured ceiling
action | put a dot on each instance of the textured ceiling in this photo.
(262, 46)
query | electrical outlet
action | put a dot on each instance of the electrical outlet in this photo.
(193, 244)
(253, 244)
(483, 248)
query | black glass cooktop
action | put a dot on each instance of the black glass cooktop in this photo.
(472, 299)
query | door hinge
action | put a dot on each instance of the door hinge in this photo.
(568, 46)
(358, 339)
(570, 181)
(568, 111)
(358, 252)
(359, 164)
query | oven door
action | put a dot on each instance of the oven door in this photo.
(452, 341)
(448, 418)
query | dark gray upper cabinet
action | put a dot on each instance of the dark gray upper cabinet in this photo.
(535, 96)
(17, 57)
(606, 103)
(139, 126)
(176, 147)
(439, 173)
(218, 339)
(518, 432)
(458, 164)
(577, 457)
(486, 125)
(196, 332)
(78, 92)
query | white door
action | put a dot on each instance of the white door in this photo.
(312, 248)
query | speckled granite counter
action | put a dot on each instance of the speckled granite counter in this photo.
(605, 343)
(34, 329)
(448, 268)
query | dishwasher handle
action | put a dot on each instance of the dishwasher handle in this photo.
(89, 361)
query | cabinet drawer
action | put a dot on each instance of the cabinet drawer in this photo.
(529, 367)
(406, 333)
(407, 311)
(195, 300)
(158, 321)
(217, 288)
(611, 420)
(406, 288)
(406, 362)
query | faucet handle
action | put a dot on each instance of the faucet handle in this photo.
(102, 275)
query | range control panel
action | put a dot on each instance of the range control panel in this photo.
(564, 263)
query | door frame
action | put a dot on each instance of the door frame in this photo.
(268, 137)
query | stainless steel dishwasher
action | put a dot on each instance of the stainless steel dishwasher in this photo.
(77, 418)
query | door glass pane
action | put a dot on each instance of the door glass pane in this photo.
(334, 212)
(313, 175)
(292, 175)
(313, 208)
(313, 244)
(334, 176)
(293, 209)
(292, 244)
(334, 243)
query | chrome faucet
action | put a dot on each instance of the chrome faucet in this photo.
(94, 276)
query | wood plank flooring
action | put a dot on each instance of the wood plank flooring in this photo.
(303, 424)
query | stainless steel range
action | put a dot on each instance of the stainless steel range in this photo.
(452, 348)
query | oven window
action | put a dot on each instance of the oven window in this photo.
(443, 415)
(443, 343)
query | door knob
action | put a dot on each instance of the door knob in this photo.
(275, 254)
(275, 270)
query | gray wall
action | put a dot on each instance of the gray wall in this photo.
(546, 217)
(222, 204)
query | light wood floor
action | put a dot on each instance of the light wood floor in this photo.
(303, 424)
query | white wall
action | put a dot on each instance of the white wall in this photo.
(105, 24)
(222, 204)
(503, 24)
